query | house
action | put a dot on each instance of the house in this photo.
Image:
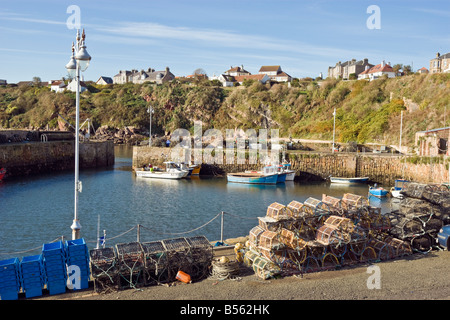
(226, 80)
(57, 86)
(275, 73)
(346, 69)
(440, 64)
(263, 78)
(134, 76)
(122, 77)
(377, 71)
(72, 86)
(104, 80)
(237, 71)
(433, 142)
(422, 70)
(3, 82)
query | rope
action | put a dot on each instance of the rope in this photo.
(223, 271)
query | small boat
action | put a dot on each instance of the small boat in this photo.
(286, 167)
(270, 170)
(172, 172)
(252, 178)
(349, 180)
(396, 190)
(195, 169)
(378, 192)
(2, 173)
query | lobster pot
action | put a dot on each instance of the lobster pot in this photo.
(295, 209)
(333, 203)
(383, 250)
(131, 264)
(288, 238)
(201, 253)
(316, 206)
(268, 223)
(253, 236)
(156, 263)
(352, 201)
(103, 265)
(331, 235)
(269, 240)
(178, 256)
(277, 211)
(277, 256)
(436, 194)
(250, 256)
(422, 243)
(264, 268)
(401, 248)
(341, 223)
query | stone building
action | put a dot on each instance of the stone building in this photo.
(433, 142)
(440, 64)
(347, 68)
(149, 75)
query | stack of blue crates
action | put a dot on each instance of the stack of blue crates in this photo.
(55, 267)
(9, 279)
(77, 254)
(32, 275)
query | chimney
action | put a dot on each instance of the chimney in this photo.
(383, 63)
(438, 55)
(366, 61)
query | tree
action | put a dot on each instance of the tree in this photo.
(407, 69)
(36, 81)
(397, 67)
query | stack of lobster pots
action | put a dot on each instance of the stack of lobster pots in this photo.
(320, 235)
(422, 212)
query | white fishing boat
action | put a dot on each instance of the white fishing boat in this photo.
(286, 168)
(396, 190)
(349, 180)
(172, 172)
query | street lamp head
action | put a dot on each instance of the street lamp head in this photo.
(82, 56)
(72, 65)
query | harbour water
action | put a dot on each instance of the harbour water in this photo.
(39, 209)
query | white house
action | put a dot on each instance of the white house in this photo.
(275, 73)
(237, 71)
(58, 86)
(377, 71)
(72, 86)
(104, 80)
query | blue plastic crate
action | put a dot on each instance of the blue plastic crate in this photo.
(10, 283)
(10, 294)
(56, 287)
(76, 246)
(32, 292)
(53, 248)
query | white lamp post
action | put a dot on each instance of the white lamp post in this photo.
(78, 62)
(151, 111)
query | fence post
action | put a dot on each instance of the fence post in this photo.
(138, 233)
(221, 228)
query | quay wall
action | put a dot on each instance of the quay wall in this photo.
(380, 168)
(22, 159)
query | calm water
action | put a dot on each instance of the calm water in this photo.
(37, 210)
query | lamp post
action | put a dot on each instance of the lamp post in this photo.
(150, 110)
(78, 62)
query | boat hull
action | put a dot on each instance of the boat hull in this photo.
(196, 170)
(252, 178)
(349, 180)
(160, 175)
(290, 175)
(378, 192)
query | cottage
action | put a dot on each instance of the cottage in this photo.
(377, 71)
(58, 86)
(226, 80)
(72, 86)
(275, 73)
(422, 70)
(158, 77)
(104, 80)
(122, 77)
(237, 71)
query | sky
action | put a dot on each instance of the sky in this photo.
(303, 37)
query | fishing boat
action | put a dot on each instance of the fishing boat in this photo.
(2, 173)
(195, 169)
(286, 168)
(172, 172)
(269, 170)
(397, 188)
(252, 178)
(378, 192)
(349, 180)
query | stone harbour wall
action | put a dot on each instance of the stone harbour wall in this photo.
(380, 168)
(22, 159)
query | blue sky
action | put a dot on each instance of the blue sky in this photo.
(303, 37)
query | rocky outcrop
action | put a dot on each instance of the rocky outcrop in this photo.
(126, 135)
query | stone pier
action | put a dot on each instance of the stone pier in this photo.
(380, 168)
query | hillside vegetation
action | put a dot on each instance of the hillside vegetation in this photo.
(365, 111)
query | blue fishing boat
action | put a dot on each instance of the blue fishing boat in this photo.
(378, 192)
(271, 170)
(252, 178)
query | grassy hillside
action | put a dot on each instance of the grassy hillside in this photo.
(365, 111)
